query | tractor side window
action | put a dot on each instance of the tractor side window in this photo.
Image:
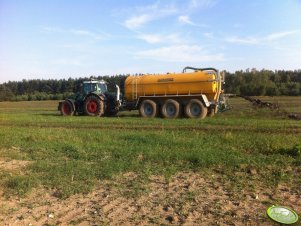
(86, 88)
(90, 87)
(94, 87)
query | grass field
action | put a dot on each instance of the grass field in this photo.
(246, 148)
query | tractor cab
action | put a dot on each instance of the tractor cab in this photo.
(94, 86)
(93, 99)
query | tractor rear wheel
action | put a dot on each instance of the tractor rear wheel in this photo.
(148, 109)
(195, 109)
(67, 108)
(170, 109)
(93, 106)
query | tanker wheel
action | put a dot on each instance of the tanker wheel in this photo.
(67, 108)
(93, 106)
(148, 109)
(170, 109)
(195, 109)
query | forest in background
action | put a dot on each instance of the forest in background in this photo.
(245, 83)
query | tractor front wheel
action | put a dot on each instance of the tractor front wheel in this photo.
(93, 106)
(67, 108)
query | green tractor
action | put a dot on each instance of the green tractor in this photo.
(93, 100)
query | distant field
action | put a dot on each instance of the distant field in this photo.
(244, 151)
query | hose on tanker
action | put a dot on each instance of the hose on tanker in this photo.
(200, 69)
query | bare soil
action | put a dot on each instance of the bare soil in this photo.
(12, 165)
(187, 198)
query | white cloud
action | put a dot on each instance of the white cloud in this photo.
(156, 11)
(185, 20)
(261, 40)
(137, 21)
(151, 38)
(149, 13)
(88, 34)
(247, 40)
(161, 38)
(209, 35)
(180, 53)
(197, 4)
(279, 35)
(77, 32)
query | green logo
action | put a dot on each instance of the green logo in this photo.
(282, 214)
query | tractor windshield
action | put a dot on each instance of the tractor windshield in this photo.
(95, 87)
(102, 87)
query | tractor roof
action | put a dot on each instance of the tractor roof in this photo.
(95, 81)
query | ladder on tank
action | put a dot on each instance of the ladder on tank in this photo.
(135, 89)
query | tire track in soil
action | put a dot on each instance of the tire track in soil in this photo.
(71, 215)
(204, 128)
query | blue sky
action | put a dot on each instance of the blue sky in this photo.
(71, 38)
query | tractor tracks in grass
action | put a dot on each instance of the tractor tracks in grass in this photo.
(201, 128)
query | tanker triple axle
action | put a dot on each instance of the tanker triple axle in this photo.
(196, 93)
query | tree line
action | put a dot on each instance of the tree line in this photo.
(51, 89)
(246, 83)
(264, 83)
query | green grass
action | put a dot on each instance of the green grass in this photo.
(71, 154)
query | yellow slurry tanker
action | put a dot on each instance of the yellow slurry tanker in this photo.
(194, 93)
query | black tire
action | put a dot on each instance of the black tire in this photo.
(210, 113)
(170, 109)
(67, 108)
(195, 109)
(93, 106)
(148, 109)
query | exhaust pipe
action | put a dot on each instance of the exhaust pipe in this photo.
(118, 93)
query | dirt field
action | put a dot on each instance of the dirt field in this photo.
(187, 198)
